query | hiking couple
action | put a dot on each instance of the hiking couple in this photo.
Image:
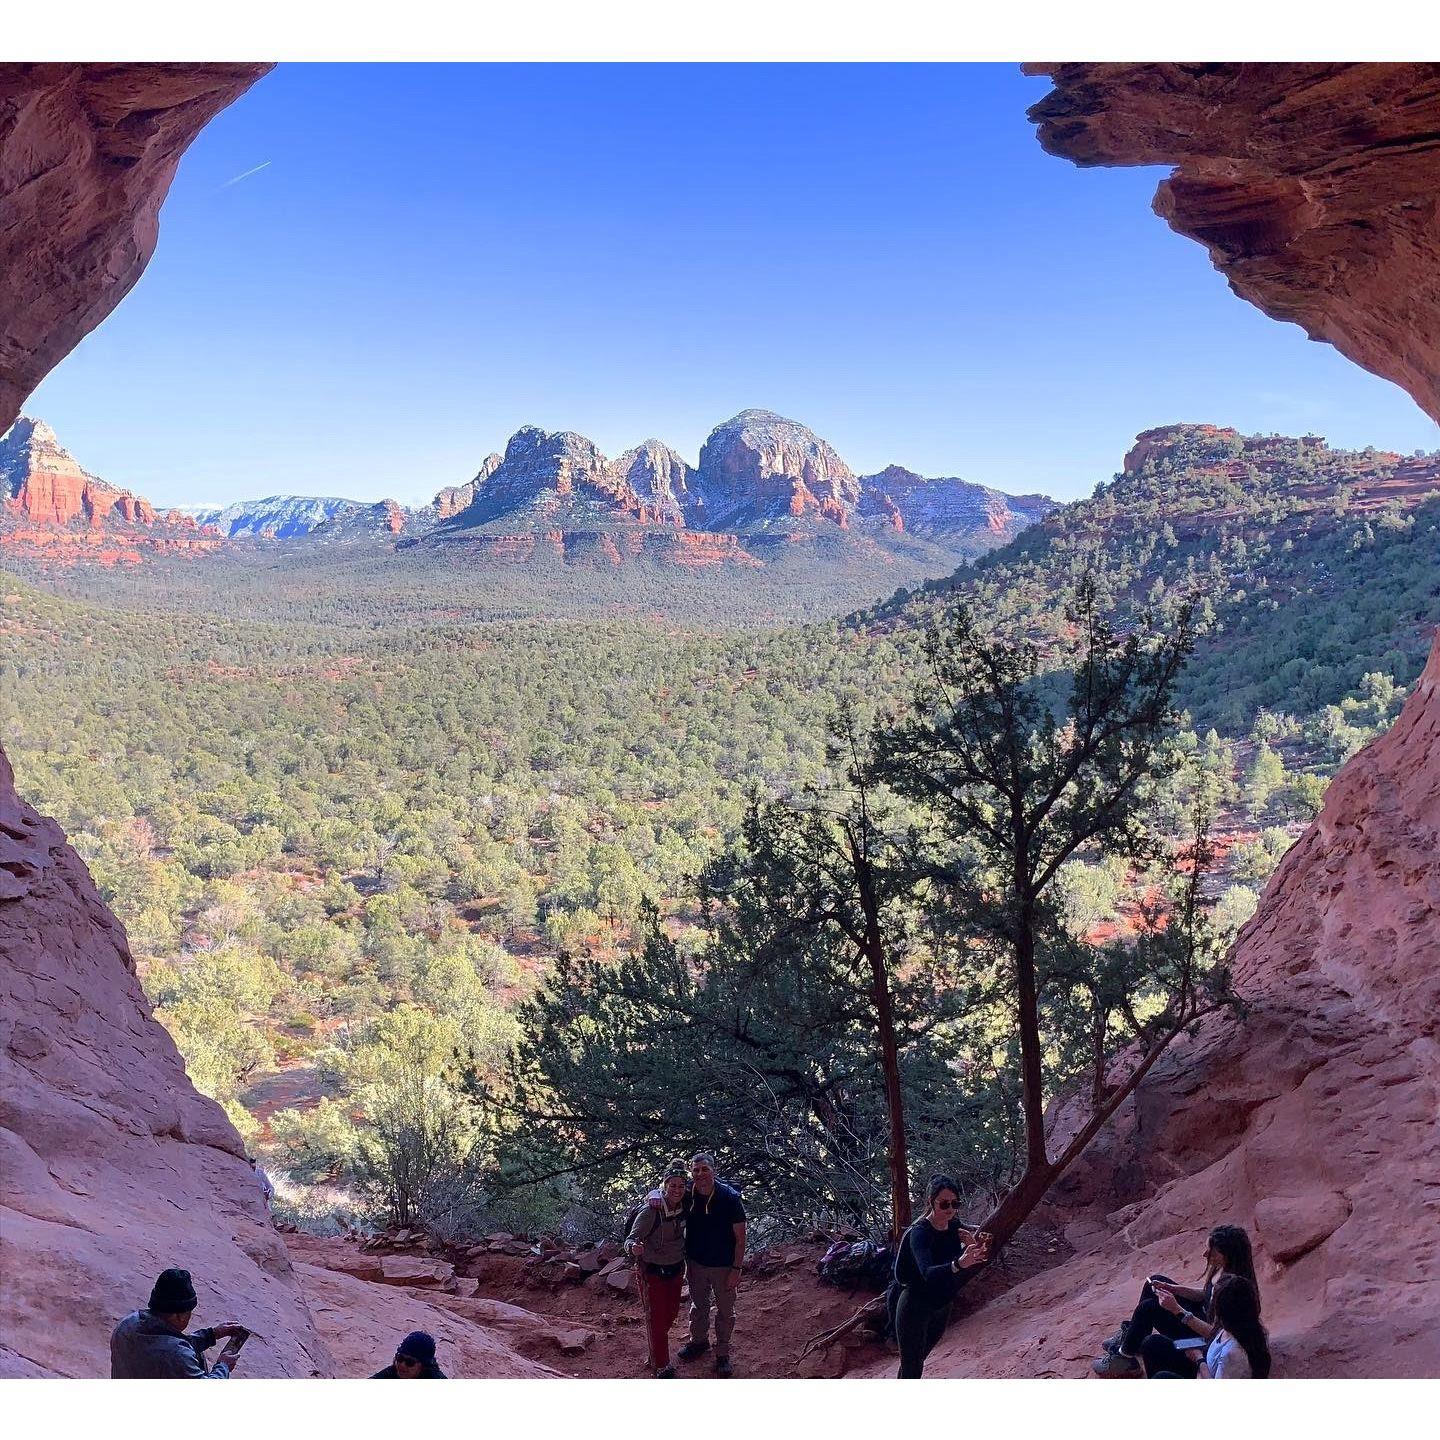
(692, 1229)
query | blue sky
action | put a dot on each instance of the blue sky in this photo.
(432, 256)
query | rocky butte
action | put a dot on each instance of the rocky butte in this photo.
(52, 509)
(763, 484)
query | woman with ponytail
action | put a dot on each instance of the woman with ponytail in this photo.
(933, 1262)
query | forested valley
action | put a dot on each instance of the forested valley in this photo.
(473, 898)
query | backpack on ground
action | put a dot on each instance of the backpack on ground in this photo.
(857, 1265)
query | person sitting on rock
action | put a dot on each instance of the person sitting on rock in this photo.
(657, 1243)
(1227, 1252)
(151, 1344)
(414, 1360)
(930, 1267)
(1239, 1348)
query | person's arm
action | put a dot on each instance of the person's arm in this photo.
(185, 1363)
(933, 1270)
(1166, 1295)
(641, 1228)
(739, 1260)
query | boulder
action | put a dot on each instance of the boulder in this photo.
(411, 1270)
(362, 1323)
(1290, 1226)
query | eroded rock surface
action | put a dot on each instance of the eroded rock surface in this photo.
(1315, 188)
(760, 467)
(112, 1166)
(87, 154)
(54, 510)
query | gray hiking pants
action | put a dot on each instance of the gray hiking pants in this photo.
(707, 1281)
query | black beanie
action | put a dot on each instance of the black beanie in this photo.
(417, 1345)
(173, 1294)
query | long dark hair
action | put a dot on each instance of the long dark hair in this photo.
(1235, 1303)
(939, 1183)
(1234, 1247)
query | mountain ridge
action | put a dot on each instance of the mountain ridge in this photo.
(765, 486)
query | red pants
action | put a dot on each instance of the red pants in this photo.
(663, 1303)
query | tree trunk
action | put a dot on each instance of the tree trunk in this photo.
(1018, 1202)
(896, 1156)
(1032, 1090)
(1022, 1198)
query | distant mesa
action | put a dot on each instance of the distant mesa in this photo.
(947, 505)
(277, 517)
(54, 510)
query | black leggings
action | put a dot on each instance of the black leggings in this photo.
(918, 1327)
(1163, 1361)
(1152, 1319)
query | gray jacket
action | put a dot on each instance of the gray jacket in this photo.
(145, 1347)
(662, 1235)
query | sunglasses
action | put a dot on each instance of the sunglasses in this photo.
(947, 1204)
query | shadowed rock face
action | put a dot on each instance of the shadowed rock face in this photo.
(87, 154)
(112, 1166)
(1316, 188)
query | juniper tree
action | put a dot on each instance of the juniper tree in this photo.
(812, 1032)
(1025, 759)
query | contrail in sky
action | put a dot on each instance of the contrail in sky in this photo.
(244, 175)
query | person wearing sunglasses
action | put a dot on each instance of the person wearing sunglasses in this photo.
(933, 1262)
(414, 1360)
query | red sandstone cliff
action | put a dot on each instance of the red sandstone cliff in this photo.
(113, 1166)
(87, 154)
(53, 510)
(1316, 188)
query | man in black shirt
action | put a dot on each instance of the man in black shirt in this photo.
(714, 1254)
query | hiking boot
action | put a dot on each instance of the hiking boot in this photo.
(1115, 1366)
(723, 1367)
(691, 1348)
(1115, 1341)
(665, 1372)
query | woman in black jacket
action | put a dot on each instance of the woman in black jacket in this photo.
(930, 1268)
(414, 1360)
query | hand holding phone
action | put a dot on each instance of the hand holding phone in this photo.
(238, 1336)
